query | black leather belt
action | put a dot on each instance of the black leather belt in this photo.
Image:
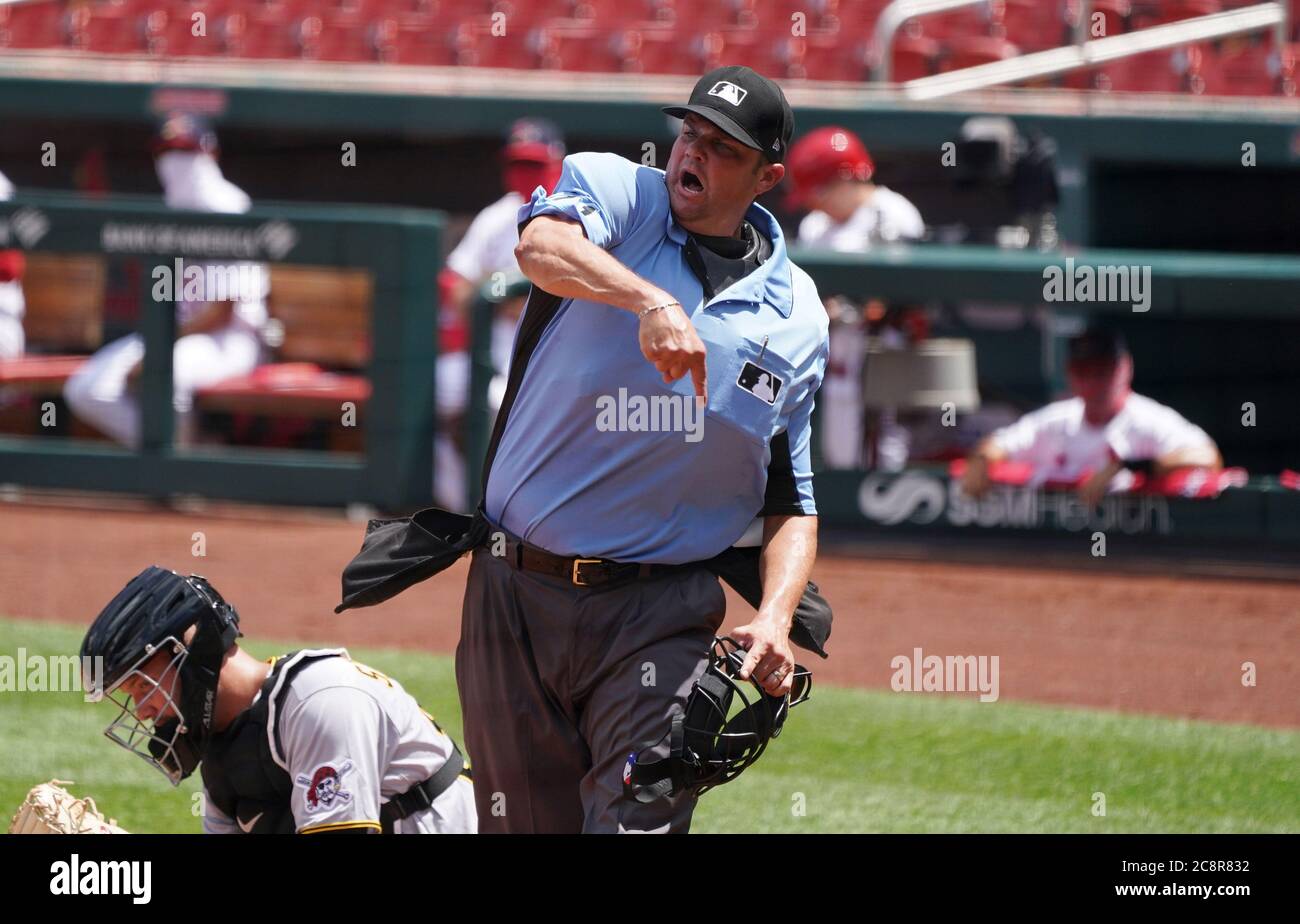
(582, 572)
(420, 796)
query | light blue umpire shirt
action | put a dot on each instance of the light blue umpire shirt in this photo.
(599, 457)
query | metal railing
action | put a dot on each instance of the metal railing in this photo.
(891, 19)
(1084, 53)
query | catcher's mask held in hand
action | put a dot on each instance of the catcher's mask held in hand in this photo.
(725, 726)
(151, 615)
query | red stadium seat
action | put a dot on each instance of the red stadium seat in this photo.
(624, 47)
(231, 32)
(914, 56)
(575, 46)
(779, 18)
(276, 39)
(1114, 18)
(629, 13)
(827, 56)
(179, 39)
(743, 14)
(645, 36)
(383, 37)
(662, 51)
(188, 16)
(477, 43)
(726, 14)
(105, 29)
(789, 55)
(419, 43)
(460, 44)
(819, 15)
(424, 8)
(1146, 14)
(1035, 25)
(268, 12)
(1174, 71)
(519, 17)
(352, 12)
(971, 21)
(746, 46)
(346, 42)
(861, 14)
(1246, 67)
(31, 25)
(973, 50)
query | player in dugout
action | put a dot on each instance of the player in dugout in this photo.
(1102, 434)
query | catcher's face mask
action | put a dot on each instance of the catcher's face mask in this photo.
(151, 723)
(163, 640)
(724, 728)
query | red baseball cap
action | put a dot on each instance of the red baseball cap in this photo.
(537, 141)
(822, 155)
(183, 131)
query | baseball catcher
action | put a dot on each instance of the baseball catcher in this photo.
(312, 741)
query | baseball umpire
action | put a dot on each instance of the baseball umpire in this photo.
(586, 627)
(312, 742)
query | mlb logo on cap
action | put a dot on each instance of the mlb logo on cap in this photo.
(745, 105)
(729, 91)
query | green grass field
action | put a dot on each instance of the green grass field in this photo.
(849, 761)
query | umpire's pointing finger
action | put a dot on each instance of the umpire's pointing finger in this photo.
(700, 376)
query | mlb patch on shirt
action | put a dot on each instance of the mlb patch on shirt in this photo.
(759, 382)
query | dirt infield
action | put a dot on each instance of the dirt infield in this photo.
(1167, 645)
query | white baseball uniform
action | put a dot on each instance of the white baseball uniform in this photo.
(98, 392)
(352, 738)
(1062, 446)
(884, 218)
(12, 305)
(489, 242)
(488, 247)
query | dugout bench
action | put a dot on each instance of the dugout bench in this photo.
(329, 261)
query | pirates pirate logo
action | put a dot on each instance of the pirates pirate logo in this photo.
(325, 787)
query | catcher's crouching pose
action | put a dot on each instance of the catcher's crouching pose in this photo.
(311, 742)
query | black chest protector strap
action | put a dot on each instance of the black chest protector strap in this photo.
(421, 796)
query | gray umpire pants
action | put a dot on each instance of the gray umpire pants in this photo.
(560, 683)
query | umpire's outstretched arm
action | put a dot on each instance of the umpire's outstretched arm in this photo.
(556, 256)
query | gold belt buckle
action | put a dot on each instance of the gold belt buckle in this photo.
(578, 562)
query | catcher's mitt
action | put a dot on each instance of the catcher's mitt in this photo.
(51, 809)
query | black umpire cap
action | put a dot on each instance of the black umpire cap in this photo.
(745, 105)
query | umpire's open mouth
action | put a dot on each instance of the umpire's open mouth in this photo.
(691, 184)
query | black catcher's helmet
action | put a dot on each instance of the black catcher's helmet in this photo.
(151, 615)
(724, 728)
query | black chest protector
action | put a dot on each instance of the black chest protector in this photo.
(240, 774)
